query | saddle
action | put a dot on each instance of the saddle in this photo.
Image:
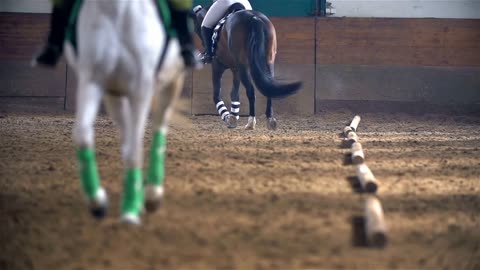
(216, 31)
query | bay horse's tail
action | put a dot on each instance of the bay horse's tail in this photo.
(259, 69)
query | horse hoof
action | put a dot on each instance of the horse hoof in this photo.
(153, 197)
(98, 213)
(252, 122)
(99, 204)
(272, 123)
(232, 122)
(130, 219)
(152, 206)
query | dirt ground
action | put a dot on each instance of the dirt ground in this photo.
(247, 199)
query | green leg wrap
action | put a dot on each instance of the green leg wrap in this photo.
(88, 171)
(132, 192)
(156, 170)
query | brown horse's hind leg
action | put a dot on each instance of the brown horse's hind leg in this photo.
(247, 82)
(269, 110)
(235, 95)
(217, 72)
(271, 121)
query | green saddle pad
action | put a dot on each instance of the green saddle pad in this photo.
(71, 31)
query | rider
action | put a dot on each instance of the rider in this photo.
(179, 10)
(214, 14)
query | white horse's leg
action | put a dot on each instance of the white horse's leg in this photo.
(162, 111)
(133, 196)
(89, 96)
(119, 109)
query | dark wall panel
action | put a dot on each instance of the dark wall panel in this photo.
(31, 104)
(428, 63)
(436, 85)
(18, 78)
(71, 85)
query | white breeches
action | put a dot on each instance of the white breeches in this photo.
(218, 9)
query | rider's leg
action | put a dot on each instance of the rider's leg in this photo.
(207, 41)
(214, 14)
(246, 4)
(181, 22)
(52, 52)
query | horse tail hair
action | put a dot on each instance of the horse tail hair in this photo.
(259, 69)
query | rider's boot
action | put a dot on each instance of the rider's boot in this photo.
(207, 41)
(52, 52)
(181, 22)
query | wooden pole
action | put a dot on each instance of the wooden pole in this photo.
(357, 153)
(353, 126)
(352, 137)
(347, 130)
(375, 227)
(366, 178)
(355, 122)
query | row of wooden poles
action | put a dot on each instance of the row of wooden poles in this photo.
(375, 227)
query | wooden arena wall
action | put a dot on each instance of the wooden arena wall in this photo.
(398, 64)
(358, 63)
(21, 87)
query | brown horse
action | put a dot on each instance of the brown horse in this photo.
(247, 46)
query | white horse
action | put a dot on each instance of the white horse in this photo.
(120, 44)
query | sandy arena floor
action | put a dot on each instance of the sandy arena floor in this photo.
(247, 199)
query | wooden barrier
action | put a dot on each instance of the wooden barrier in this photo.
(376, 229)
(353, 126)
(352, 137)
(367, 179)
(355, 122)
(350, 130)
(357, 153)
